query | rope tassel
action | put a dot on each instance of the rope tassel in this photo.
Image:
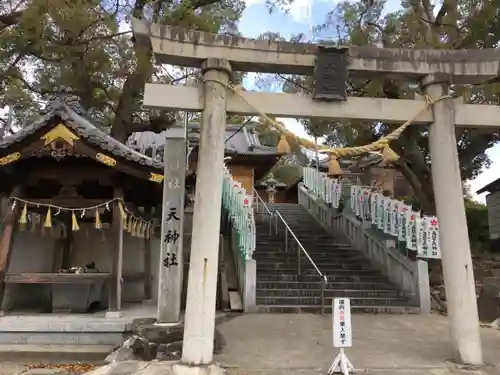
(122, 211)
(283, 145)
(389, 156)
(134, 228)
(334, 168)
(98, 223)
(24, 215)
(48, 220)
(74, 222)
(137, 226)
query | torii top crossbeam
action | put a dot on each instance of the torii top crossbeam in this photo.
(179, 46)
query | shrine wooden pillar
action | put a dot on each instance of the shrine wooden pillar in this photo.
(9, 225)
(116, 282)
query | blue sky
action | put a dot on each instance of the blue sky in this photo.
(303, 15)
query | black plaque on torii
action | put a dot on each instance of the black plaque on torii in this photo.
(331, 73)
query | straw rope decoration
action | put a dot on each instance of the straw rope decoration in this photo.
(388, 155)
(136, 226)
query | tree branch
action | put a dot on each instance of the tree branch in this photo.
(7, 72)
(201, 3)
(10, 19)
(441, 14)
(29, 86)
(155, 124)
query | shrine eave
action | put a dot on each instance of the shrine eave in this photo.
(62, 123)
(492, 187)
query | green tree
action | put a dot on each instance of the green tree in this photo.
(454, 24)
(477, 223)
(82, 45)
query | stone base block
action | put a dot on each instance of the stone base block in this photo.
(181, 369)
(113, 314)
(156, 368)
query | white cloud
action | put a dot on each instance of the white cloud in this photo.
(252, 2)
(300, 10)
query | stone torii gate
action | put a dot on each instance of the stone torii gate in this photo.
(219, 55)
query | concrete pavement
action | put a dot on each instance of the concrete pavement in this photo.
(399, 344)
(290, 344)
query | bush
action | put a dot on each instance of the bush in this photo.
(477, 223)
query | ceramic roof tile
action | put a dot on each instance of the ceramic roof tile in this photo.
(85, 129)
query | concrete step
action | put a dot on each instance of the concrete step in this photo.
(349, 273)
(55, 352)
(330, 293)
(291, 258)
(271, 264)
(355, 309)
(309, 269)
(326, 260)
(325, 240)
(311, 250)
(280, 250)
(311, 301)
(263, 277)
(328, 240)
(291, 250)
(336, 285)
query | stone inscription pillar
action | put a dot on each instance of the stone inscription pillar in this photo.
(172, 232)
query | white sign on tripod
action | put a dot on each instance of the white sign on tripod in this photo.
(342, 336)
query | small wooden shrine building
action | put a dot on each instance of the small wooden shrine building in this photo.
(78, 209)
(76, 232)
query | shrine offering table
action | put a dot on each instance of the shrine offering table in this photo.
(71, 292)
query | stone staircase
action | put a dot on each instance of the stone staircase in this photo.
(280, 289)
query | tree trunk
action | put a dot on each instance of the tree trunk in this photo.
(123, 123)
(420, 186)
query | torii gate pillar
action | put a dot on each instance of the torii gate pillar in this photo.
(197, 350)
(456, 255)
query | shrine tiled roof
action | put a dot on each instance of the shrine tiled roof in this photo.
(68, 109)
(242, 141)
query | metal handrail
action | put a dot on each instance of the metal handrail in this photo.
(324, 279)
(268, 211)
